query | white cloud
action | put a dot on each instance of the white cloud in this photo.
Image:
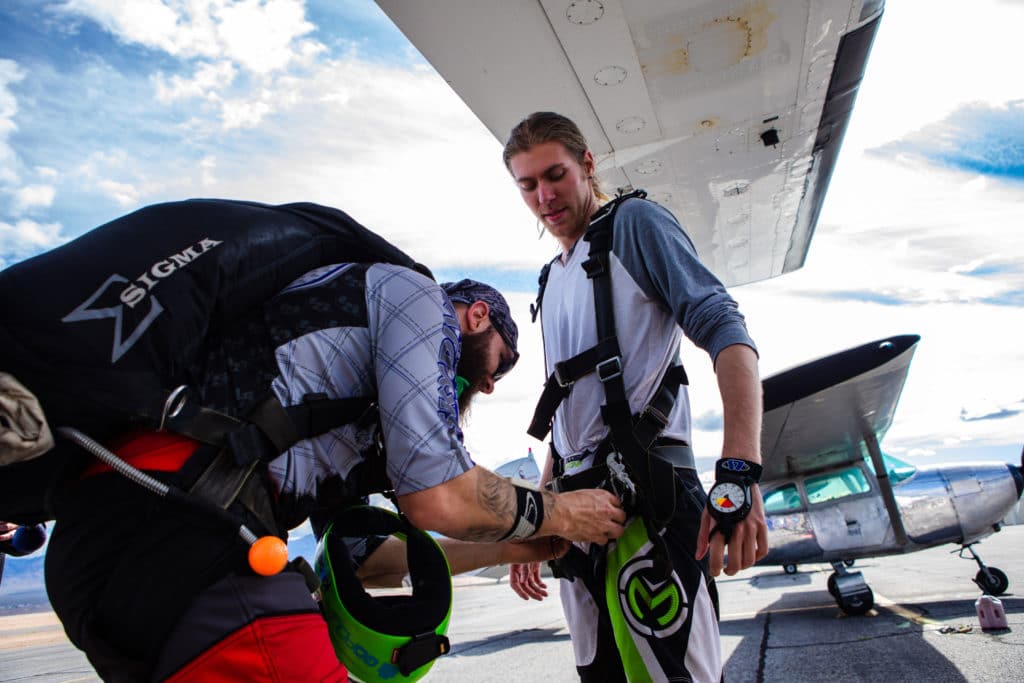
(100, 162)
(30, 197)
(108, 172)
(27, 237)
(10, 73)
(243, 114)
(147, 22)
(24, 197)
(125, 194)
(208, 166)
(260, 36)
(205, 82)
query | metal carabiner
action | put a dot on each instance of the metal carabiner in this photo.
(623, 486)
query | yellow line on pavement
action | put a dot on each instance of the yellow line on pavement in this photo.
(908, 614)
(778, 610)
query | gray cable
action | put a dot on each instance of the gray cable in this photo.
(97, 449)
(132, 473)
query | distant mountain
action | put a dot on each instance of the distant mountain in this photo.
(22, 587)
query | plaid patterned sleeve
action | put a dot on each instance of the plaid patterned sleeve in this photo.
(416, 343)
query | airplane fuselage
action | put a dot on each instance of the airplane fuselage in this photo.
(938, 504)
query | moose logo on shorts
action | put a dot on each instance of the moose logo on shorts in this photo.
(654, 606)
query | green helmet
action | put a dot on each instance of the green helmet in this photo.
(388, 637)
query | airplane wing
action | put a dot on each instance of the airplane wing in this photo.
(729, 113)
(824, 414)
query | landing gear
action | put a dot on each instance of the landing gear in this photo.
(789, 568)
(989, 579)
(851, 593)
(993, 583)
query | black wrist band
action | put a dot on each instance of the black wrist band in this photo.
(529, 513)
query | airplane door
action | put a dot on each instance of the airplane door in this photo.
(846, 513)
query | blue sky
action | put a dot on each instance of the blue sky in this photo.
(105, 108)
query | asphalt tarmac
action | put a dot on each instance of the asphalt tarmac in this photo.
(775, 627)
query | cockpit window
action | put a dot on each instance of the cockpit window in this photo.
(783, 499)
(896, 469)
(847, 482)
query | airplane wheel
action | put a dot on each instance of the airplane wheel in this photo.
(849, 563)
(832, 587)
(789, 568)
(997, 585)
(857, 605)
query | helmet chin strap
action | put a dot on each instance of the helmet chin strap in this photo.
(461, 384)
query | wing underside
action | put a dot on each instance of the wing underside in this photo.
(835, 410)
(730, 113)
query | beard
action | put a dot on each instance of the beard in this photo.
(473, 366)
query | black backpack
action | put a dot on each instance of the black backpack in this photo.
(103, 329)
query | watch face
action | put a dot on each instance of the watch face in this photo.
(727, 497)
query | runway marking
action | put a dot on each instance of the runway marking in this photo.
(880, 601)
(780, 610)
(906, 613)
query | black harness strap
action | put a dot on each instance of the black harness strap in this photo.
(655, 480)
(650, 422)
(565, 374)
(270, 428)
(542, 283)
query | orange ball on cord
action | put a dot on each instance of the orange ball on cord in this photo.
(268, 555)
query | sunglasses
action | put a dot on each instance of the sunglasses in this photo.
(505, 366)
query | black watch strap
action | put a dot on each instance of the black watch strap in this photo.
(738, 470)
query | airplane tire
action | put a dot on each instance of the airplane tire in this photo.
(832, 586)
(998, 584)
(789, 568)
(848, 563)
(857, 605)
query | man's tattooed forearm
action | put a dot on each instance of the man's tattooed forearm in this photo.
(495, 495)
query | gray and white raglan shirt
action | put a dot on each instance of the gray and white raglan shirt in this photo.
(382, 331)
(661, 290)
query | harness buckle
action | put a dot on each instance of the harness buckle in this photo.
(560, 376)
(650, 412)
(609, 369)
